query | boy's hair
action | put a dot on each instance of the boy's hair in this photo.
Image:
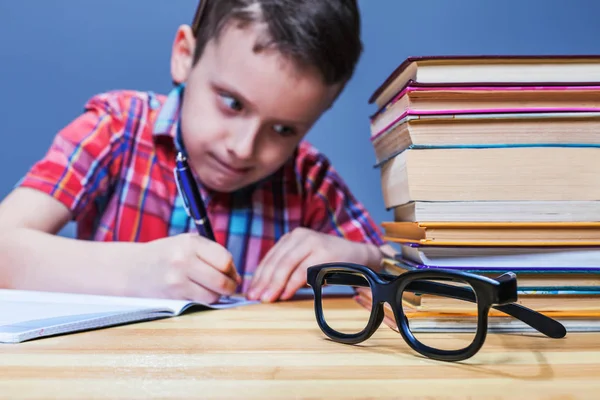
(321, 33)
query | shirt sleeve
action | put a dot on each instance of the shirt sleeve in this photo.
(78, 168)
(329, 205)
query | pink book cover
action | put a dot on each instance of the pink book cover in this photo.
(413, 86)
(504, 113)
(409, 60)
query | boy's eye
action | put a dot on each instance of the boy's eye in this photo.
(231, 102)
(284, 130)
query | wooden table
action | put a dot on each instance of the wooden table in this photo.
(276, 351)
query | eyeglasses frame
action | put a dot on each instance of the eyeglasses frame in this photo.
(499, 293)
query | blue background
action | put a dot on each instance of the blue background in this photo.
(55, 54)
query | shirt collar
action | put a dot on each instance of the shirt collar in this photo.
(167, 121)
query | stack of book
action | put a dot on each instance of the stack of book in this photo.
(490, 164)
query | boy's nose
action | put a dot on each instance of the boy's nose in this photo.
(243, 142)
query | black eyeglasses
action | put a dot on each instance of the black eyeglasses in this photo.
(437, 290)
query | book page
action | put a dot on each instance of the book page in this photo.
(25, 305)
(26, 314)
(20, 312)
(30, 296)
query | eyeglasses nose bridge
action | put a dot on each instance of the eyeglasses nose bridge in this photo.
(388, 291)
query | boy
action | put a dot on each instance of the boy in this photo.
(252, 77)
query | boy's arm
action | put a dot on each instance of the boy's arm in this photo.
(34, 258)
(64, 184)
(182, 267)
(80, 166)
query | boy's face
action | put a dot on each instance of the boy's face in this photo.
(244, 111)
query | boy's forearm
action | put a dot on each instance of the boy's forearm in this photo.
(34, 260)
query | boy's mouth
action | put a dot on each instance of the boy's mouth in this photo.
(228, 168)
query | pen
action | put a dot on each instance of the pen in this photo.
(194, 206)
(186, 184)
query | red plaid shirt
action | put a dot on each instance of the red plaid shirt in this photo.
(113, 168)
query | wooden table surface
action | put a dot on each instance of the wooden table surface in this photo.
(276, 351)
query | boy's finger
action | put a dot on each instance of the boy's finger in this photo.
(195, 292)
(217, 256)
(257, 285)
(281, 269)
(265, 271)
(273, 252)
(296, 281)
(232, 272)
(258, 281)
(257, 278)
(212, 279)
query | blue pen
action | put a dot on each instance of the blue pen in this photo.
(186, 184)
(194, 206)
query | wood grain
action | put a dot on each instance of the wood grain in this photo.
(277, 351)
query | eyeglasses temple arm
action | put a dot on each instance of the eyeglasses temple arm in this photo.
(540, 322)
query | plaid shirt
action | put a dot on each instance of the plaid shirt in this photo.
(113, 168)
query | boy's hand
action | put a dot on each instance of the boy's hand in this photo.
(283, 270)
(185, 266)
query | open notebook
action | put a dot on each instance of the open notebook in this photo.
(26, 315)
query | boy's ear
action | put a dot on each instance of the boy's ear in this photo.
(182, 55)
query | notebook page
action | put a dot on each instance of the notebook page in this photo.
(21, 312)
(26, 315)
(37, 297)
(28, 305)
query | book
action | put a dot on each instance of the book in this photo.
(466, 322)
(498, 211)
(491, 174)
(488, 163)
(485, 69)
(545, 258)
(495, 233)
(27, 315)
(542, 300)
(487, 130)
(528, 276)
(423, 99)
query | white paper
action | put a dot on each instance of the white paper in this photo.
(29, 314)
